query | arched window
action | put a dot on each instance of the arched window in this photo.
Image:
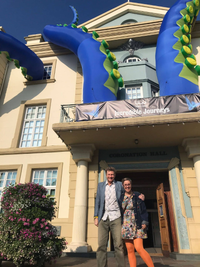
(129, 21)
(131, 59)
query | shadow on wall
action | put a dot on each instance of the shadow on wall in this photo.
(27, 93)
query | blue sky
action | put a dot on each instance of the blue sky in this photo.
(21, 18)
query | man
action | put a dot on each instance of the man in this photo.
(107, 216)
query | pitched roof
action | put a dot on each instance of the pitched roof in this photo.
(128, 7)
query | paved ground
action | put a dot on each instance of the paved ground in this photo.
(86, 262)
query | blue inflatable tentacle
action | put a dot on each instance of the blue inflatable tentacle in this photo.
(31, 66)
(101, 77)
(75, 19)
(175, 64)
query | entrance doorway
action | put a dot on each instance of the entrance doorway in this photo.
(147, 183)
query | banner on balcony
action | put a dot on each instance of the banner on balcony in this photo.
(138, 107)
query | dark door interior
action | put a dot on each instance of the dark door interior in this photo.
(146, 183)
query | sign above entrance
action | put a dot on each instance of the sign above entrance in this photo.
(138, 107)
(139, 154)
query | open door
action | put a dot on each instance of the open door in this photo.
(163, 222)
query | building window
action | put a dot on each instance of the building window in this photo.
(132, 59)
(6, 178)
(33, 126)
(47, 178)
(154, 91)
(129, 21)
(133, 92)
(27, 122)
(47, 71)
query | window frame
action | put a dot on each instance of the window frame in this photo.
(42, 166)
(51, 187)
(7, 168)
(52, 78)
(6, 176)
(19, 126)
(132, 57)
(127, 86)
(129, 21)
(34, 121)
(48, 66)
(154, 91)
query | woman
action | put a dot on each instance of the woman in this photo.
(135, 222)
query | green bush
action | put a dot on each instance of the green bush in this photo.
(26, 234)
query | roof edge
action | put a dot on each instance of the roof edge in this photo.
(121, 6)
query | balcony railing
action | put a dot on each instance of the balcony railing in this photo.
(68, 113)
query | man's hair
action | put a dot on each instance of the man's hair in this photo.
(110, 169)
(127, 179)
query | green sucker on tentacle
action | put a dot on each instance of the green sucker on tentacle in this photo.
(111, 67)
(175, 64)
(17, 65)
(101, 77)
(190, 69)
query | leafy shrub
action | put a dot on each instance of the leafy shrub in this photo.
(26, 234)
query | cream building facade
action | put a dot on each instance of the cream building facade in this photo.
(70, 157)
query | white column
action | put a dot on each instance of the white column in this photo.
(192, 146)
(196, 160)
(80, 207)
(82, 154)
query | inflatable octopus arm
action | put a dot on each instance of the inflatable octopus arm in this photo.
(31, 66)
(101, 77)
(176, 66)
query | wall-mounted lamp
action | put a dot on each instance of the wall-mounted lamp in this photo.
(136, 141)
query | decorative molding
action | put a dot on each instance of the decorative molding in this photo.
(146, 32)
(136, 82)
(33, 150)
(46, 49)
(173, 163)
(131, 45)
(192, 146)
(39, 82)
(101, 124)
(34, 38)
(130, 7)
(82, 152)
(116, 36)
